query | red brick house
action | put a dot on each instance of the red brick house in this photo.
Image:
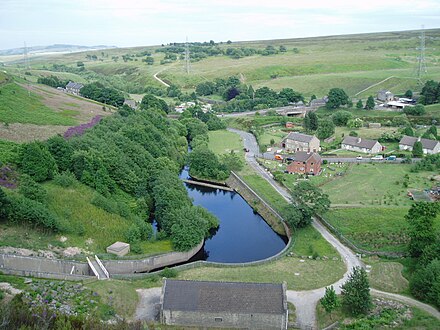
(305, 163)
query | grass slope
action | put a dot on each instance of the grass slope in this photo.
(17, 106)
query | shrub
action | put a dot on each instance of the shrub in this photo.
(32, 190)
(133, 234)
(65, 179)
(169, 272)
(36, 160)
(25, 210)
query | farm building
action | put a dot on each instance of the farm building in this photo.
(316, 103)
(385, 95)
(224, 304)
(73, 87)
(300, 142)
(131, 103)
(305, 163)
(397, 105)
(358, 144)
(429, 146)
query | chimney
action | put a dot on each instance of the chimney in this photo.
(359, 140)
(418, 139)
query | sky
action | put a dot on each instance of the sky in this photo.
(126, 23)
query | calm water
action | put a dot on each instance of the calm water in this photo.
(242, 236)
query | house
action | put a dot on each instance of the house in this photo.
(73, 87)
(131, 103)
(358, 144)
(295, 141)
(429, 146)
(316, 103)
(208, 304)
(305, 163)
(385, 95)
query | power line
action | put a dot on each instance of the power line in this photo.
(421, 61)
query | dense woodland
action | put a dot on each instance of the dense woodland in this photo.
(132, 160)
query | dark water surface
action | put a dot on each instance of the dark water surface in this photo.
(243, 235)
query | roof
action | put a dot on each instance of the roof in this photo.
(236, 297)
(118, 246)
(74, 85)
(358, 142)
(385, 91)
(426, 143)
(299, 137)
(302, 156)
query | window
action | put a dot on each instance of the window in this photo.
(218, 319)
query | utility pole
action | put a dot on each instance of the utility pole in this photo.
(187, 58)
(26, 66)
(421, 62)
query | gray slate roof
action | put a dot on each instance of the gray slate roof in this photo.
(205, 296)
(302, 156)
(74, 85)
(426, 143)
(359, 142)
(299, 137)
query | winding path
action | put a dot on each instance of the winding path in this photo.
(305, 301)
(160, 80)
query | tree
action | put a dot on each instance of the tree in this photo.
(432, 130)
(326, 129)
(356, 292)
(421, 231)
(341, 117)
(4, 204)
(32, 190)
(417, 110)
(425, 283)
(308, 194)
(290, 95)
(330, 300)
(61, 151)
(150, 101)
(430, 92)
(359, 104)
(370, 103)
(355, 123)
(311, 121)
(409, 94)
(336, 98)
(408, 131)
(36, 160)
(417, 149)
(298, 216)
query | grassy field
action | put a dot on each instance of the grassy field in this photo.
(17, 106)
(387, 276)
(223, 142)
(275, 272)
(376, 184)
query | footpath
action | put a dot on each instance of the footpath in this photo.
(305, 301)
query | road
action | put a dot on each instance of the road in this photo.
(305, 301)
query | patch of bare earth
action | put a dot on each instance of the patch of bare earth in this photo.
(29, 132)
(80, 109)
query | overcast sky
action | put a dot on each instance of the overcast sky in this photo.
(151, 22)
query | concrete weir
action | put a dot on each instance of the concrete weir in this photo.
(210, 185)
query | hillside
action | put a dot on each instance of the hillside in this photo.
(309, 65)
(30, 112)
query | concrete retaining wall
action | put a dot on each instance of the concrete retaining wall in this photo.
(145, 265)
(43, 267)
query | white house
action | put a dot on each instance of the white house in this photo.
(429, 146)
(358, 144)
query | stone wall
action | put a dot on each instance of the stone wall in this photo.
(115, 267)
(258, 204)
(224, 319)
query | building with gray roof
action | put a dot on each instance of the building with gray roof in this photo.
(358, 144)
(73, 87)
(295, 141)
(224, 304)
(428, 146)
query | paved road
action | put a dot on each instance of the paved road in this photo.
(305, 301)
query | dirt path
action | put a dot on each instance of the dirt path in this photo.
(148, 307)
(371, 86)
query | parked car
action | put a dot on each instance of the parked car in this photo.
(289, 159)
(392, 157)
(377, 157)
(278, 157)
(359, 157)
(245, 149)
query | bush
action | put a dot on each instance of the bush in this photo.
(133, 234)
(65, 179)
(169, 272)
(25, 210)
(32, 190)
(425, 283)
(36, 160)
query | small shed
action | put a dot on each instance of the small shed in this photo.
(119, 248)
